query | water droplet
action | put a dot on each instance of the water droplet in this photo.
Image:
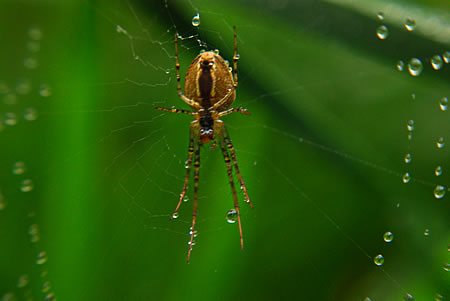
(378, 260)
(194, 234)
(46, 286)
(33, 231)
(202, 50)
(227, 63)
(216, 51)
(27, 185)
(50, 297)
(446, 57)
(41, 257)
(400, 65)
(443, 104)
(438, 297)
(18, 168)
(196, 20)
(410, 125)
(191, 243)
(388, 236)
(30, 114)
(45, 90)
(232, 216)
(413, 96)
(33, 46)
(10, 119)
(238, 56)
(10, 99)
(410, 136)
(427, 232)
(167, 71)
(438, 171)
(406, 178)
(415, 67)
(382, 32)
(439, 191)
(35, 33)
(409, 297)
(23, 86)
(186, 199)
(120, 29)
(30, 63)
(367, 299)
(447, 267)
(441, 142)
(410, 24)
(175, 215)
(437, 62)
(230, 69)
(380, 16)
(137, 57)
(408, 158)
(397, 205)
(23, 281)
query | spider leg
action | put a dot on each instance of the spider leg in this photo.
(232, 110)
(178, 111)
(235, 59)
(194, 209)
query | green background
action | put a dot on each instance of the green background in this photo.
(322, 153)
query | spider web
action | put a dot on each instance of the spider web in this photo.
(340, 149)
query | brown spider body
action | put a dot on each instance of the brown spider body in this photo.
(209, 89)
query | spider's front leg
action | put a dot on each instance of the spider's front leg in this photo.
(194, 207)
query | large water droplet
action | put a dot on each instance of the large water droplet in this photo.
(30, 114)
(10, 119)
(382, 32)
(447, 267)
(196, 20)
(41, 257)
(410, 125)
(18, 168)
(400, 65)
(441, 142)
(388, 236)
(438, 171)
(415, 67)
(216, 51)
(409, 297)
(27, 185)
(406, 178)
(186, 199)
(23, 281)
(437, 62)
(427, 232)
(378, 260)
(410, 24)
(443, 104)
(45, 90)
(380, 16)
(46, 286)
(175, 215)
(232, 216)
(439, 191)
(446, 57)
(408, 158)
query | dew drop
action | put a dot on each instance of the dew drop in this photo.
(380, 16)
(33, 231)
(438, 297)
(196, 20)
(186, 199)
(30, 114)
(238, 56)
(438, 171)
(382, 32)
(230, 69)
(400, 65)
(23, 86)
(10, 119)
(23, 281)
(410, 136)
(443, 104)
(410, 125)
(408, 158)
(447, 267)
(388, 236)
(413, 96)
(30, 63)
(41, 258)
(46, 286)
(191, 243)
(415, 67)
(409, 297)
(406, 178)
(167, 71)
(367, 299)
(441, 142)
(45, 90)
(50, 297)
(227, 63)
(439, 192)
(193, 233)
(437, 62)
(446, 57)
(427, 232)
(18, 168)
(175, 215)
(120, 29)
(35, 33)
(378, 260)
(216, 51)
(232, 216)
(27, 185)
(410, 24)
(202, 50)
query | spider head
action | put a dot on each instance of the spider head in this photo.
(206, 135)
(207, 60)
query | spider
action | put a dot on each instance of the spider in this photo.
(210, 90)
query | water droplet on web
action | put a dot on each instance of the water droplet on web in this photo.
(216, 51)
(30, 114)
(438, 171)
(441, 142)
(382, 32)
(410, 125)
(35, 33)
(30, 63)
(18, 168)
(23, 281)
(196, 20)
(186, 199)
(439, 191)
(367, 299)
(27, 185)
(410, 24)
(388, 236)
(23, 86)
(41, 258)
(232, 216)
(380, 16)
(120, 29)
(410, 136)
(378, 260)
(167, 71)
(230, 69)
(202, 50)
(446, 57)
(397, 205)
(10, 119)
(191, 243)
(406, 178)
(409, 297)
(437, 62)
(238, 56)
(50, 297)
(227, 63)
(413, 96)
(33, 231)
(427, 232)
(443, 104)
(447, 267)
(408, 158)
(415, 67)
(46, 286)
(438, 297)
(194, 233)
(45, 90)
(400, 65)
(175, 215)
